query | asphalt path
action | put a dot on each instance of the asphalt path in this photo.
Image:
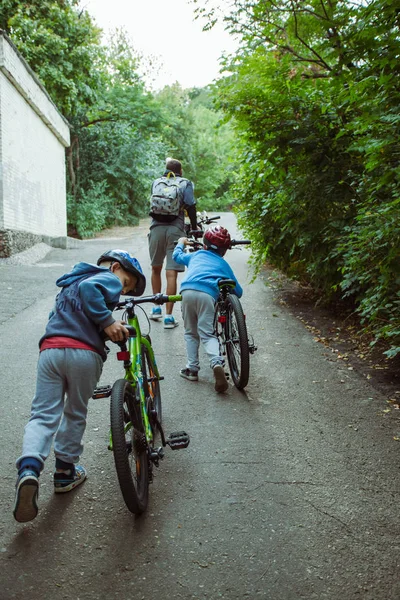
(287, 491)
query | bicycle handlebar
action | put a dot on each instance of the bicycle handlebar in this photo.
(198, 245)
(208, 220)
(240, 242)
(156, 299)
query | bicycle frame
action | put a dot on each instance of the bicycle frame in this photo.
(231, 331)
(220, 313)
(134, 371)
(132, 357)
(133, 430)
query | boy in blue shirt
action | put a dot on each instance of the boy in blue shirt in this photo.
(199, 291)
(72, 352)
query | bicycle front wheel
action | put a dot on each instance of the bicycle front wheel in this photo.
(129, 446)
(237, 343)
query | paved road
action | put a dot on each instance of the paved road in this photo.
(288, 491)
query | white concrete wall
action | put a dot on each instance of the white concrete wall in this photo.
(33, 137)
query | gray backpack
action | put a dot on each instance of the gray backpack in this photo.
(166, 198)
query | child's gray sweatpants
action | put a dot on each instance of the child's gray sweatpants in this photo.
(198, 318)
(62, 372)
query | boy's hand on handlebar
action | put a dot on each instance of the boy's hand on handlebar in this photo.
(116, 331)
(184, 241)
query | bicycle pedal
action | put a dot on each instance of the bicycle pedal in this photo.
(102, 392)
(178, 440)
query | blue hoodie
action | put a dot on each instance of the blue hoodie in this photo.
(205, 269)
(84, 305)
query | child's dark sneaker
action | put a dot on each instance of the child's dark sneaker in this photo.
(65, 481)
(221, 383)
(189, 374)
(25, 507)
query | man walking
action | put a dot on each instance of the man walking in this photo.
(171, 196)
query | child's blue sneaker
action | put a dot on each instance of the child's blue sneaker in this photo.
(25, 507)
(170, 322)
(65, 481)
(156, 313)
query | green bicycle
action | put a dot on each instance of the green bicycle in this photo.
(136, 411)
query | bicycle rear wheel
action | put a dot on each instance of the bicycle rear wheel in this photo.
(237, 343)
(129, 446)
(152, 388)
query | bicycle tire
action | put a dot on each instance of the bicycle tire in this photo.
(153, 386)
(237, 343)
(129, 446)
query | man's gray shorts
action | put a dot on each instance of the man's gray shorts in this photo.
(161, 244)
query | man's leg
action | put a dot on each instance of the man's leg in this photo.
(156, 279)
(156, 239)
(172, 277)
(172, 268)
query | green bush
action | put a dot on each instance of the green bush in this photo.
(316, 111)
(90, 213)
(371, 269)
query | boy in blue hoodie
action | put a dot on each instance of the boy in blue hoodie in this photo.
(72, 352)
(199, 291)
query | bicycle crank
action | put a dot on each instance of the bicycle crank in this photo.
(252, 346)
(156, 454)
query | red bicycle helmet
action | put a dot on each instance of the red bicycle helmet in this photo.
(217, 238)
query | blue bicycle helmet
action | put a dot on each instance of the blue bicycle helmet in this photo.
(130, 264)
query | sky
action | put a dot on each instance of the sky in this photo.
(166, 29)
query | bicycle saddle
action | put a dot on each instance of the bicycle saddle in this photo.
(228, 282)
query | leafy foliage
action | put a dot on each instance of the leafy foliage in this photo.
(120, 132)
(314, 95)
(90, 214)
(61, 45)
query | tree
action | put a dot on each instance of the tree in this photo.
(314, 95)
(61, 44)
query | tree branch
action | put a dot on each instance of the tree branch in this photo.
(320, 59)
(109, 119)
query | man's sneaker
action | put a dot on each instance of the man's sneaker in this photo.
(169, 322)
(221, 383)
(68, 480)
(156, 313)
(25, 507)
(189, 374)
